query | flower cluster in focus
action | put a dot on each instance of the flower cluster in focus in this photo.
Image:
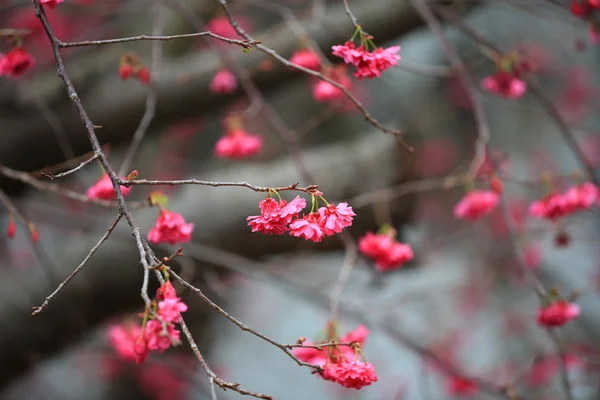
(278, 216)
(342, 362)
(369, 64)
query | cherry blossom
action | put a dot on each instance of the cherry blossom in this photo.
(275, 215)
(123, 338)
(169, 309)
(475, 204)
(156, 339)
(308, 227)
(238, 144)
(166, 291)
(557, 314)
(170, 228)
(104, 190)
(15, 62)
(387, 252)
(143, 75)
(307, 58)
(335, 218)
(353, 374)
(368, 64)
(224, 82)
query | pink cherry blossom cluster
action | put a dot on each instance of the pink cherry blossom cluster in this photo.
(160, 334)
(476, 204)
(170, 227)
(277, 217)
(557, 205)
(237, 143)
(15, 62)
(557, 313)
(369, 64)
(388, 253)
(341, 363)
(104, 190)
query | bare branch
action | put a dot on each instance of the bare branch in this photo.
(44, 305)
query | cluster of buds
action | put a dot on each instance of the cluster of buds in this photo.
(507, 81)
(131, 65)
(588, 11)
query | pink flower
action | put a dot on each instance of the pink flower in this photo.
(372, 245)
(354, 375)
(387, 252)
(459, 386)
(504, 84)
(169, 309)
(290, 210)
(141, 350)
(166, 291)
(308, 227)
(170, 228)
(396, 255)
(123, 339)
(307, 58)
(551, 207)
(156, 339)
(582, 196)
(335, 218)
(476, 204)
(16, 62)
(224, 82)
(51, 3)
(359, 335)
(222, 27)
(103, 189)
(368, 64)
(258, 223)
(238, 144)
(275, 215)
(557, 314)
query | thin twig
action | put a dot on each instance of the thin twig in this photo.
(239, 324)
(44, 305)
(247, 44)
(70, 194)
(293, 186)
(75, 169)
(151, 98)
(350, 14)
(212, 377)
(483, 130)
(343, 275)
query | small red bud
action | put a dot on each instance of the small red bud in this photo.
(144, 75)
(12, 227)
(496, 185)
(125, 70)
(562, 239)
(140, 350)
(132, 175)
